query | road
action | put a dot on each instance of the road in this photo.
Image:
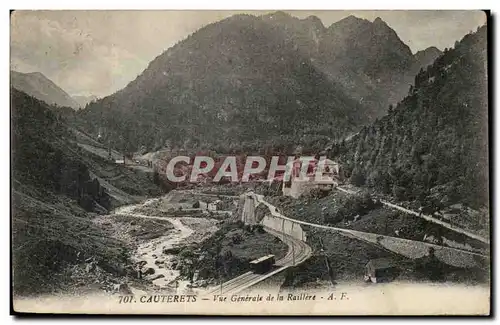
(299, 251)
(303, 251)
(426, 217)
(212, 195)
(437, 221)
(365, 236)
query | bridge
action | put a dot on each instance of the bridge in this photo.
(290, 231)
(405, 247)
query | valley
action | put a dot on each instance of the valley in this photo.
(143, 192)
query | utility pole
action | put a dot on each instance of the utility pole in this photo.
(220, 281)
(217, 262)
(283, 229)
(109, 149)
(327, 263)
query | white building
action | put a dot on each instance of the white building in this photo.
(300, 183)
(215, 205)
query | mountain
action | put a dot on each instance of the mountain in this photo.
(248, 80)
(51, 191)
(39, 86)
(55, 183)
(372, 48)
(84, 100)
(370, 60)
(41, 139)
(367, 58)
(426, 57)
(433, 145)
(240, 82)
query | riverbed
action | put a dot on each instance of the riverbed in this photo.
(151, 254)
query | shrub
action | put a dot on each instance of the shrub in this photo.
(236, 238)
(259, 228)
(351, 206)
(357, 177)
(399, 192)
(317, 193)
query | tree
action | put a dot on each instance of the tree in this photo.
(357, 177)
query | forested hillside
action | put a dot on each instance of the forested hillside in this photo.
(43, 157)
(39, 86)
(233, 83)
(55, 189)
(433, 146)
(246, 82)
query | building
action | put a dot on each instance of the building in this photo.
(381, 270)
(202, 205)
(215, 205)
(299, 184)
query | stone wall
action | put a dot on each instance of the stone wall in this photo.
(248, 216)
(288, 227)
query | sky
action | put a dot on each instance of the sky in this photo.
(100, 52)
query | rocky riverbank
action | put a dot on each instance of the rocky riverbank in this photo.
(150, 240)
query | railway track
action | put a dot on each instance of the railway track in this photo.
(298, 252)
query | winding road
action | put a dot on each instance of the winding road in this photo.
(426, 217)
(299, 251)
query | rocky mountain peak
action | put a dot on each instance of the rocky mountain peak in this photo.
(432, 50)
(379, 21)
(350, 22)
(315, 21)
(425, 57)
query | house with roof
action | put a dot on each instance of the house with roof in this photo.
(215, 205)
(323, 174)
(381, 270)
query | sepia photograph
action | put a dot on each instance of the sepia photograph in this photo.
(282, 162)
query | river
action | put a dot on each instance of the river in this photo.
(151, 252)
